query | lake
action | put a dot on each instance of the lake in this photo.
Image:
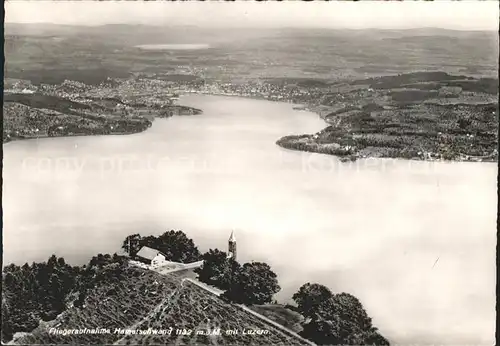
(414, 241)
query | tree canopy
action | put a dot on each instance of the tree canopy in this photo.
(335, 319)
(310, 297)
(34, 292)
(41, 291)
(252, 283)
(216, 269)
(175, 245)
(132, 244)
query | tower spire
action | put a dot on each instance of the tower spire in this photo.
(232, 246)
(232, 237)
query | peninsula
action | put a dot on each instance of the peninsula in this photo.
(423, 116)
(418, 115)
(74, 109)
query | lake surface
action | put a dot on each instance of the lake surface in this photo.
(189, 46)
(414, 241)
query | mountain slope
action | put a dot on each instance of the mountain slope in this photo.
(145, 303)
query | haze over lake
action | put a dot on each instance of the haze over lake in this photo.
(427, 230)
(173, 46)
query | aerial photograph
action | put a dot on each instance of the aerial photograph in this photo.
(250, 173)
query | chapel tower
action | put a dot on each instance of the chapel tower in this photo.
(232, 246)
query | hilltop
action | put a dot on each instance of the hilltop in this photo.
(135, 300)
(140, 299)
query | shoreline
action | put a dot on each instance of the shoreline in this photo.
(348, 157)
(12, 140)
(194, 111)
(290, 142)
(76, 135)
(287, 143)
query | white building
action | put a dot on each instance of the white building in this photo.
(151, 256)
(156, 259)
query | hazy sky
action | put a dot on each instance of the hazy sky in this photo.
(475, 15)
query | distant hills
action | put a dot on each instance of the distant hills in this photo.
(32, 50)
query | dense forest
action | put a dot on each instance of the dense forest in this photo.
(41, 291)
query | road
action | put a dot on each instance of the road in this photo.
(211, 289)
(218, 292)
(276, 325)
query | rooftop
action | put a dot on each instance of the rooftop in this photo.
(148, 253)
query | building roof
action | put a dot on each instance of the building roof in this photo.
(148, 253)
(232, 238)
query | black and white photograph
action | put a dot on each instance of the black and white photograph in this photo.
(250, 173)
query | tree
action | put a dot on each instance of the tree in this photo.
(309, 298)
(35, 292)
(215, 270)
(9, 280)
(321, 332)
(52, 262)
(338, 320)
(7, 328)
(41, 291)
(175, 245)
(348, 306)
(132, 244)
(253, 283)
(61, 262)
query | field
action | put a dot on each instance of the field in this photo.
(51, 53)
(142, 299)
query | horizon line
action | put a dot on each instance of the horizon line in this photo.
(256, 27)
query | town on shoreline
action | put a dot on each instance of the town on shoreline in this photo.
(419, 116)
